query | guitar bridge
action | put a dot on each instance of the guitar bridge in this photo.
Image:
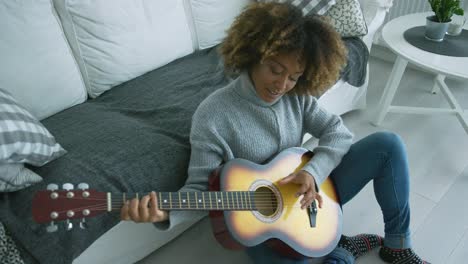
(312, 209)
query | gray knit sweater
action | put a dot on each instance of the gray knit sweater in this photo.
(234, 123)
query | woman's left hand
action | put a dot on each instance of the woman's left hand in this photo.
(306, 188)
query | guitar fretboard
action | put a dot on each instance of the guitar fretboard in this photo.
(240, 200)
(209, 201)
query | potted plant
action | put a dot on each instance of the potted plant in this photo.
(436, 25)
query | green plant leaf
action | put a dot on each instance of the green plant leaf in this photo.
(444, 9)
(459, 12)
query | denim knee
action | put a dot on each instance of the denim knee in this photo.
(389, 142)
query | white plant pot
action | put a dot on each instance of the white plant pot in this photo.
(435, 31)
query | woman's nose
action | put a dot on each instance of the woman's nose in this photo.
(281, 84)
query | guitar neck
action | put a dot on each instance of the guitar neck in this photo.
(203, 201)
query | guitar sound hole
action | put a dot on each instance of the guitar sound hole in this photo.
(266, 201)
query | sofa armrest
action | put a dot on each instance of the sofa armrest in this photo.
(374, 13)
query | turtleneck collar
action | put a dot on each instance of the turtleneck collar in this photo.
(245, 88)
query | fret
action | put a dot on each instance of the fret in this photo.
(180, 201)
(188, 199)
(216, 201)
(227, 199)
(193, 199)
(222, 200)
(163, 201)
(233, 200)
(170, 200)
(242, 201)
(246, 199)
(211, 206)
(203, 196)
(185, 202)
(237, 200)
(160, 201)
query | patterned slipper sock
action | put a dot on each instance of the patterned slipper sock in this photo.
(360, 244)
(400, 256)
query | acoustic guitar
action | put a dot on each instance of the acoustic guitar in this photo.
(247, 206)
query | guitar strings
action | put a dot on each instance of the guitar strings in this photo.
(242, 201)
(223, 197)
(103, 207)
(213, 203)
(261, 201)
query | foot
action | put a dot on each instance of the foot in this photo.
(360, 244)
(403, 256)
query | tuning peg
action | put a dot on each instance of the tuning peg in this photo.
(67, 186)
(68, 225)
(51, 228)
(52, 187)
(83, 186)
(83, 224)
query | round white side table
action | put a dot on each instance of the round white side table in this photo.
(442, 66)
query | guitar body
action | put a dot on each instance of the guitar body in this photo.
(281, 223)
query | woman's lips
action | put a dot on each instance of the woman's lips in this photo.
(272, 92)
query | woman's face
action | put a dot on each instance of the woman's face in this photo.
(276, 76)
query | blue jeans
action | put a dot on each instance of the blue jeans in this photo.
(380, 158)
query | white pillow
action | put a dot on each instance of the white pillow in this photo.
(347, 18)
(115, 41)
(36, 63)
(213, 17)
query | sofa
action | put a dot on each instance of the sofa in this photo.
(116, 83)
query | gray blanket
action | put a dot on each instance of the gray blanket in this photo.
(356, 68)
(134, 138)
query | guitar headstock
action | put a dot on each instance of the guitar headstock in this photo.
(51, 205)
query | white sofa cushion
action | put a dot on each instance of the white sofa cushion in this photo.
(212, 18)
(36, 63)
(115, 41)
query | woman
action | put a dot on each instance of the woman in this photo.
(283, 58)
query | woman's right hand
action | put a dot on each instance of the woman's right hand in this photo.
(139, 211)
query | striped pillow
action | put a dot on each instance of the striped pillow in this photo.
(23, 139)
(15, 177)
(318, 7)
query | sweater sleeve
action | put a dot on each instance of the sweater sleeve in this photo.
(206, 155)
(334, 139)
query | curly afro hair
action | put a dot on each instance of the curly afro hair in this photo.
(263, 30)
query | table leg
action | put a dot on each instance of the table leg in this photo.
(460, 113)
(435, 88)
(390, 89)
